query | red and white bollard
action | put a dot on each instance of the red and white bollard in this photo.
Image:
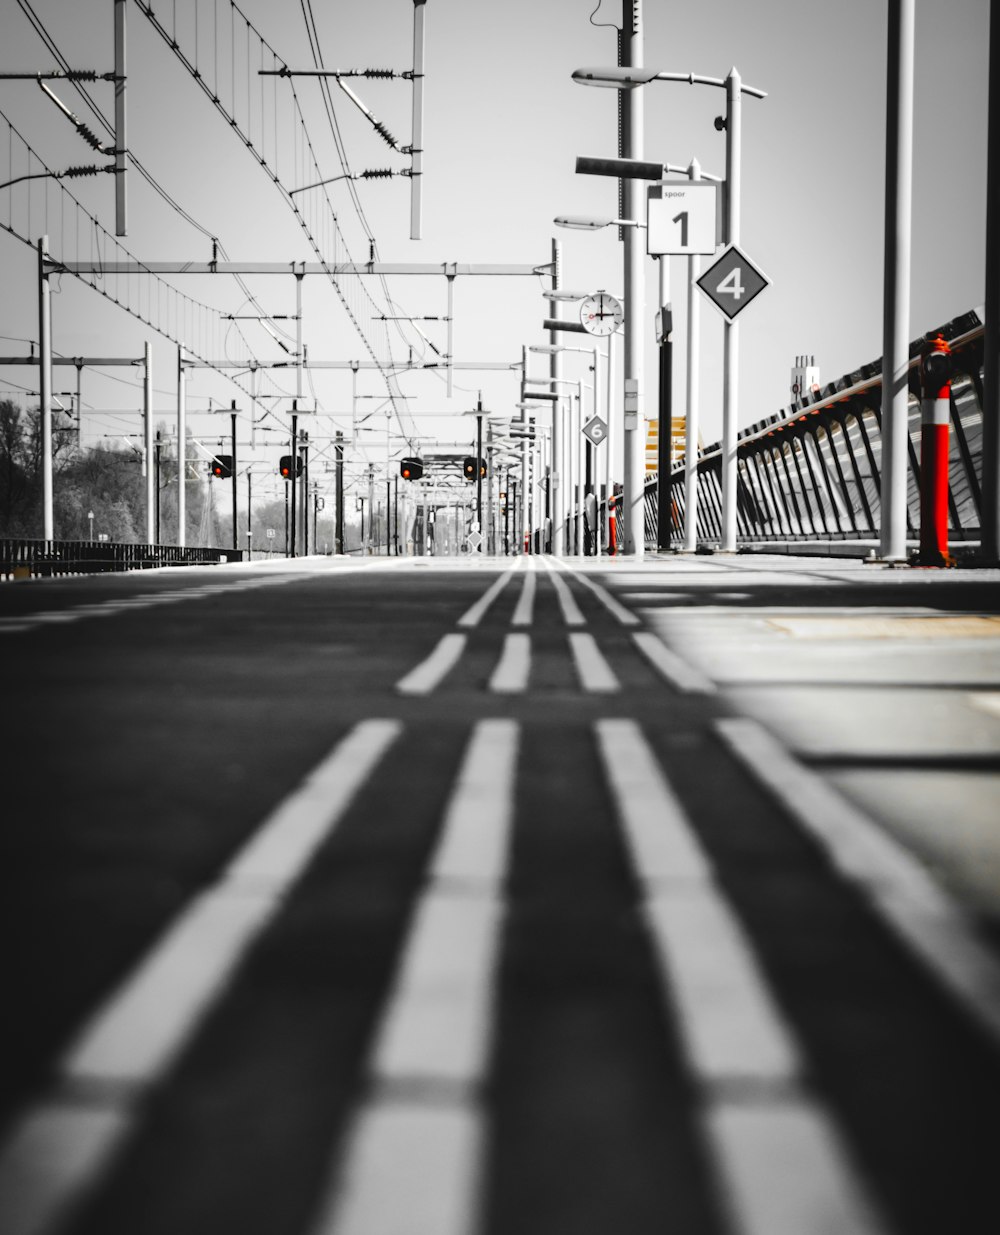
(935, 410)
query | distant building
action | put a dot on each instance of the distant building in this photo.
(805, 378)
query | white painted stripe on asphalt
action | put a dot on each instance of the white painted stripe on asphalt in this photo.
(593, 670)
(524, 611)
(785, 1172)
(758, 1118)
(510, 677)
(682, 675)
(567, 601)
(476, 833)
(659, 836)
(139, 1031)
(438, 1019)
(414, 1156)
(430, 672)
(617, 610)
(474, 615)
(392, 1181)
(730, 1025)
(53, 1160)
(893, 881)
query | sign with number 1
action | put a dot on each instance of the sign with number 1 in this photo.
(732, 282)
(681, 218)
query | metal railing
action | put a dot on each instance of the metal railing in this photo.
(813, 471)
(22, 558)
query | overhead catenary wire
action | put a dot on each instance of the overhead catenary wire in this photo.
(349, 291)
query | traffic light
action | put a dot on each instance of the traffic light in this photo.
(221, 467)
(469, 467)
(285, 465)
(411, 469)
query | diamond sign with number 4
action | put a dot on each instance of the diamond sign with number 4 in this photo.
(732, 282)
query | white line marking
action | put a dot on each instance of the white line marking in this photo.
(477, 823)
(429, 673)
(393, 1179)
(758, 1115)
(617, 610)
(474, 615)
(524, 611)
(510, 677)
(893, 881)
(139, 1031)
(785, 1171)
(593, 670)
(567, 601)
(414, 1156)
(660, 839)
(677, 671)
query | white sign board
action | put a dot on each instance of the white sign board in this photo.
(680, 218)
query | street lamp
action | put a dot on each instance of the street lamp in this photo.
(585, 223)
(629, 78)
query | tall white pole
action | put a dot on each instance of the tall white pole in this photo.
(896, 293)
(181, 451)
(525, 450)
(609, 445)
(578, 469)
(730, 361)
(634, 441)
(147, 424)
(45, 385)
(991, 343)
(693, 393)
(121, 139)
(557, 488)
(417, 140)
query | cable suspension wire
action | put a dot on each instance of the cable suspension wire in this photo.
(312, 34)
(108, 127)
(248, 124)
(180, 318)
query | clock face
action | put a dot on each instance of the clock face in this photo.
(601, 314)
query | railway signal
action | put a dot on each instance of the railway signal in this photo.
(285, 466)
(469, 467)
(411, 469)
(221, 467)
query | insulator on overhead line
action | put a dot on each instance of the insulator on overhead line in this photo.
(90, 137)
(384, 133)
(92, 170)
(377, 173)
(380, 73)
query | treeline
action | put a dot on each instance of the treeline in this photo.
(108, 483)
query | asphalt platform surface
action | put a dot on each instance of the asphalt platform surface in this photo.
(502, 897)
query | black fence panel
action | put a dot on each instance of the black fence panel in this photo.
(21, 558)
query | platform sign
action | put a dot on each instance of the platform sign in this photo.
(732, 282)
(596, 430)
(681, 218)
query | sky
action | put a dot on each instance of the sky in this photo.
(504, 124)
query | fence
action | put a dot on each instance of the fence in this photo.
(25, 558)
(813, 471)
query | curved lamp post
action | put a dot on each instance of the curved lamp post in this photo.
(630, 78)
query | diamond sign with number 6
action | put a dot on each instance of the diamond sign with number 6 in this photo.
(732, 282)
